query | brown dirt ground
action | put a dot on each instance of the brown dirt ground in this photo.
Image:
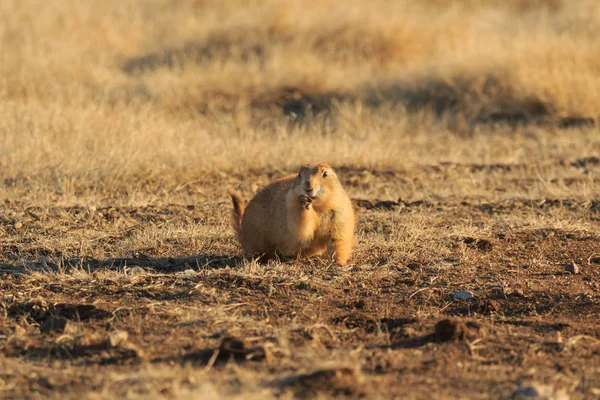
(161, 323)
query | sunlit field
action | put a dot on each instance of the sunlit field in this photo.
(465, 132)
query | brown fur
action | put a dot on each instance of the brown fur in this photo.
(238, 210)
(285, 218)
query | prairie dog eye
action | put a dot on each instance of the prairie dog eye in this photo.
(325, 174)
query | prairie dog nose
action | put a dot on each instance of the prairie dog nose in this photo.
(307, 189)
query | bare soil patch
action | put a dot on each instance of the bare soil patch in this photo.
(388, 317)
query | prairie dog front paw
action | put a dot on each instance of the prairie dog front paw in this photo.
(305, 201)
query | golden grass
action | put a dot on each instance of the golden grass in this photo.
(71, 114)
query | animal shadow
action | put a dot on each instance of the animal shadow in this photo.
(128, 264)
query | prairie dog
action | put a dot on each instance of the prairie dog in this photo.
(306, 214)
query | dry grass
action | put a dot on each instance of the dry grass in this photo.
(72, 112)
(466, 131)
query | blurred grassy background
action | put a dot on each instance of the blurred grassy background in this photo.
(119, 94)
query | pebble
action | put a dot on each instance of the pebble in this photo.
(463, 295)
(538, 392)
(18, 225)
(572, 268)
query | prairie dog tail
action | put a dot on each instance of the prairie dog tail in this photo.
(238, 210)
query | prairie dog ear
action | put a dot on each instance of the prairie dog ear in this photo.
(303, 169)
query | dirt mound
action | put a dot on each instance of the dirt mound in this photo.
(457, 329)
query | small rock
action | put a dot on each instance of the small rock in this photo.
(54, 323)
(463, 295)
(18, 225)
(538, 392)
(572, 268)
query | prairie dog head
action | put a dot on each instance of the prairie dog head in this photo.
(317, 181)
